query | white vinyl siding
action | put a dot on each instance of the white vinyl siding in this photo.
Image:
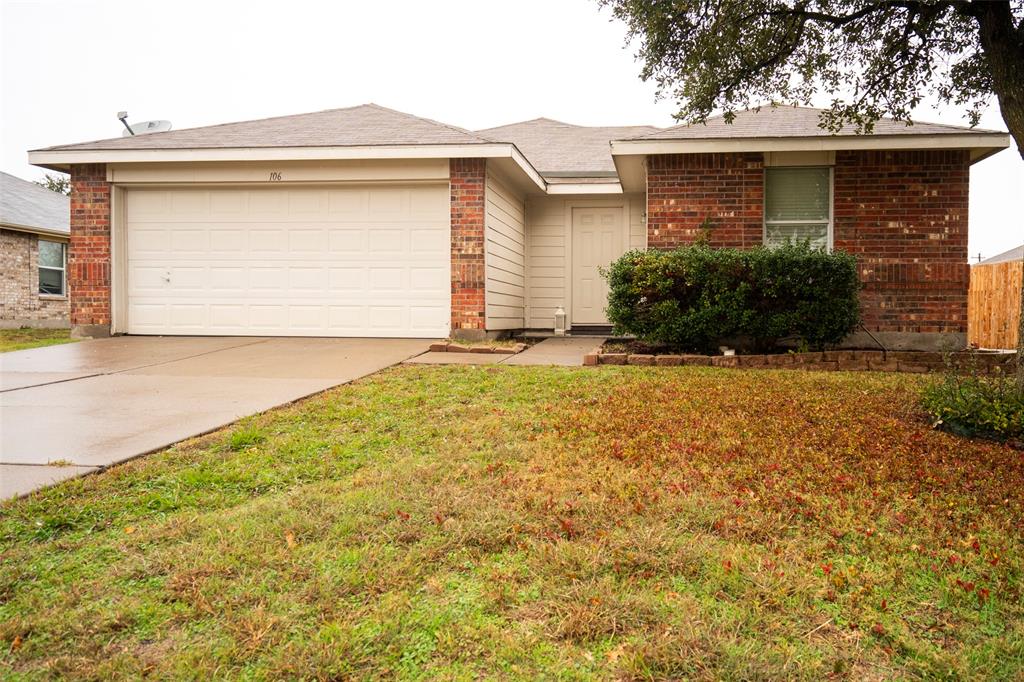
(798, 206)
(505, 218)
(548, 231)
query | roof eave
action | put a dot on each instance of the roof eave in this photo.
(982, 145)
(63, 159)
(33, 229)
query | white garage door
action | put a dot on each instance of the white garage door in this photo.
(307, 261)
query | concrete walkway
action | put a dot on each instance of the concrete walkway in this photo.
(69, 410)
(565, 351)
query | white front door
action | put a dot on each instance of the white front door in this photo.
(598, 238)
(289, 261)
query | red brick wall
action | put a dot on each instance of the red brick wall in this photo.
(904, 215)
(89, 253)
(683, 190)
(467, 216)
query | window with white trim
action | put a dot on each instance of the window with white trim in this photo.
(798, 206)
(53, 258)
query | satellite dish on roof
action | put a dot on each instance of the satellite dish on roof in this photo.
(143, 128)
(146, 127)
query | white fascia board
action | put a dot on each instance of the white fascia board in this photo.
(585, 188)
(993, 141)
(528, 168)
(61, 159)
(73, 156)
(41, 231)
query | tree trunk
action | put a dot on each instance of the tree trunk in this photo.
(1020, 336)
(1003, 46)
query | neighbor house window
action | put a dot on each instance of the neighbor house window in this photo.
(52, 266)
(798, 206)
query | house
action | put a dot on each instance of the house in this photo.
(994, 300)
(34, 231)
(1014, 255)
(366, 221)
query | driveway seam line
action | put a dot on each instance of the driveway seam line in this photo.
(51, 383)
(186, 357)
(132, 369)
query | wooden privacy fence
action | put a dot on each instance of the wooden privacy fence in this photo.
(993, 304)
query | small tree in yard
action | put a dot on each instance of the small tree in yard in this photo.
(873, 57)
(61, 184)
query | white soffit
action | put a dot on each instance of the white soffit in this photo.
(585, 188)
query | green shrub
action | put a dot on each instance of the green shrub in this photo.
(694, 297)
(969, 404)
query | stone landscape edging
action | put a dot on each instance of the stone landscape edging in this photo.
(831, 360)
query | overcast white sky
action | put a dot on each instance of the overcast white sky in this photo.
(69, 65)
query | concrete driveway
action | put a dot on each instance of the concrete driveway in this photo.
(95, 403)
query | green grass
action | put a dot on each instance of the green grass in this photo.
(517, 523)
(25, 338)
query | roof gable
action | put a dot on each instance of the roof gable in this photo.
(781, 121)
(24, 204)
(557, 148)
(363, 125)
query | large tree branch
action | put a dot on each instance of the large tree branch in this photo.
(914, 6)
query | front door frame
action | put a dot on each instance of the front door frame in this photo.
(622, 202)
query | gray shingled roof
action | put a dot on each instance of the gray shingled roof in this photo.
(25, 204)
(363, 125)
(563, 148)
(787, 121)
(1014, 254)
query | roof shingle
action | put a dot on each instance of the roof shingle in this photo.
(27, 205)
(563, 148)
(1014, 254)
(788, 121)
(363, 125)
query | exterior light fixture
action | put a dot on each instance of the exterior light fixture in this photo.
(560, 322)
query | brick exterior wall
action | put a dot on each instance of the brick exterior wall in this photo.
(902, 213)
(20, 301)
(685, 190)
(468, 177)
(89, 255)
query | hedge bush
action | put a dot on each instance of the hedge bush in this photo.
(969, 404)
(694, 297)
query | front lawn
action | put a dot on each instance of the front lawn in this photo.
(25, 338)
(459, 522)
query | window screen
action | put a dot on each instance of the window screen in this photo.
(52, 257)
(796, 205)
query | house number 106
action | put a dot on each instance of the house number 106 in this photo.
(275, 176)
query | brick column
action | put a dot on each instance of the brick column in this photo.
(904, 215)
(89, 252)
(468, 177)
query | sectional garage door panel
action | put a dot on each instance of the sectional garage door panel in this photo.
(317, 261)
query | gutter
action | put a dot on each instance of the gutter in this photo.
(982, 145)
(29, 229)
(62, 159)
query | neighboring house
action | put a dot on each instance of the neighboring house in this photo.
(33, 255)
(993, 302)
(369, 222)
(1016, 255)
